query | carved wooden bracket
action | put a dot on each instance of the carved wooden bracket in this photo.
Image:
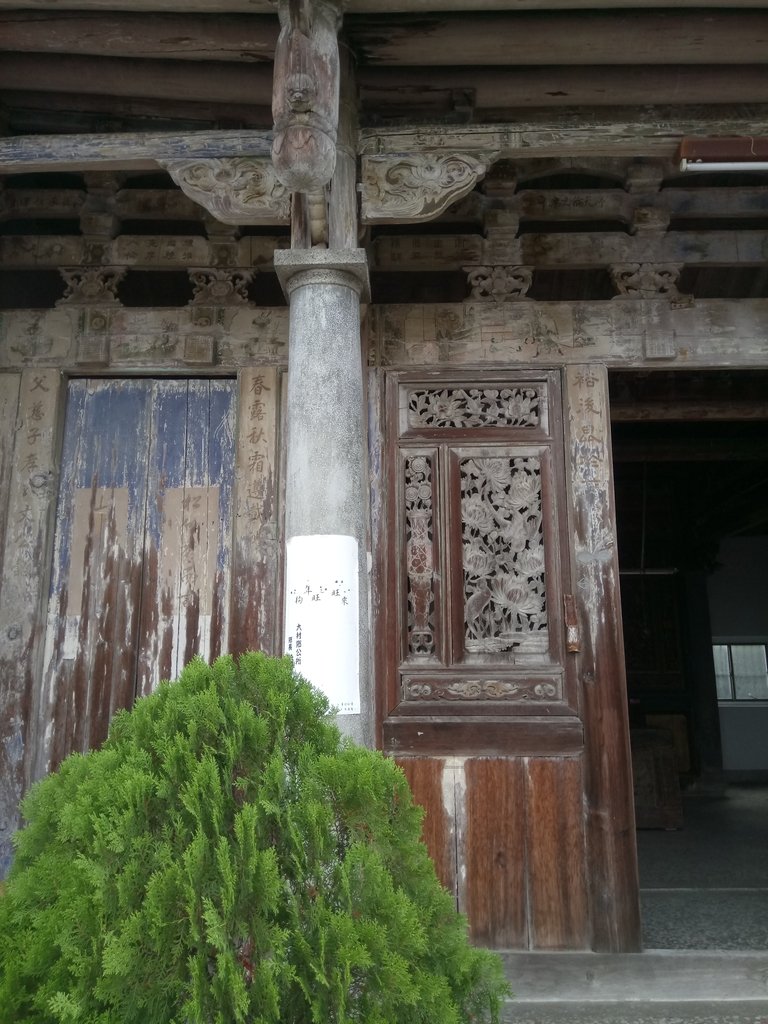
(235, 190)
(91, 286)
(220, 287)
(419, 186)
(646, 280)
(500, 283)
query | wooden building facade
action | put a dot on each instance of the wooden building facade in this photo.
(527, 233)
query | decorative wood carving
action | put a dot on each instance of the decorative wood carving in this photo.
(478, 689)
(505, 604)
(96, 286)
(236, 190)
(419, 556)
(220, 287)
(305, 98)
(407, 189)
(499, 283)
(646, 280)
(474, 407)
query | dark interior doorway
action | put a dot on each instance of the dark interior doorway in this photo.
(691, 469)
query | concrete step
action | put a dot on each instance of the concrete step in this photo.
(636, 1013)
(655, 976)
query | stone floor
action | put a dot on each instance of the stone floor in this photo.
(705, 886)
(704, 897)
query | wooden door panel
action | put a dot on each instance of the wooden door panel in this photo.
(142, 547)
(555, 841)
(495, 895)
(96, 581)
(511, 723)
(426, 777)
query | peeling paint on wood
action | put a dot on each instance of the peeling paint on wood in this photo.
(142, 549)
(29, 425)
(256, 569)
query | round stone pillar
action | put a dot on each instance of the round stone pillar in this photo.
(326, 628)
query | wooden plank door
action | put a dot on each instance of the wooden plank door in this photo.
(142, 548)
(490, 635)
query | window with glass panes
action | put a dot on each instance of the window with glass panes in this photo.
(741, 670)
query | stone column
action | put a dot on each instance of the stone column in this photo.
(326, 502)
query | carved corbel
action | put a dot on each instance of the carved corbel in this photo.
(235, 190)
(499, 283)
(91, 286)
(646, 280)
(417, 187)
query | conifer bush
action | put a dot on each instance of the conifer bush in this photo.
(226, 858)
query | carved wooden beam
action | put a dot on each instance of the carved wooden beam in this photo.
(28, 153)
(569, 249)
(419, 187)
(601, 134)
(236, 190)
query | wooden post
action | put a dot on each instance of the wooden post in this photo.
(612, 855)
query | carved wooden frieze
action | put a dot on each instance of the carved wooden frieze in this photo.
(417, 187)
(519, 689)
(235, 190)
(468, 407)
(499, 283)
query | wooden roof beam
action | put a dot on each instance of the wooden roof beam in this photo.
(183, 36)
(209, 81)
(371, 6)
(518, 39)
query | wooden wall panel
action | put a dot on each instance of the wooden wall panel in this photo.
(496, 887)
(31, 438)
(256, 571)
(426, 778)
(557, 876)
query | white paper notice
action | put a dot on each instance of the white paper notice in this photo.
(321, 616)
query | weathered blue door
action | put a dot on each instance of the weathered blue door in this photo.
(140, 580)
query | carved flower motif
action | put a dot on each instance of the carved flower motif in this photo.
(523, 491)
(476, 514)
(477, 561)
(513, 532)
(496, 471)
(531, 560)
(515, 594)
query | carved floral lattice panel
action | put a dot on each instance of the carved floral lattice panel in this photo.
(419, 556)
(505, 603)
(466, 407)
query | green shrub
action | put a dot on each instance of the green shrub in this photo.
(225, 857)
